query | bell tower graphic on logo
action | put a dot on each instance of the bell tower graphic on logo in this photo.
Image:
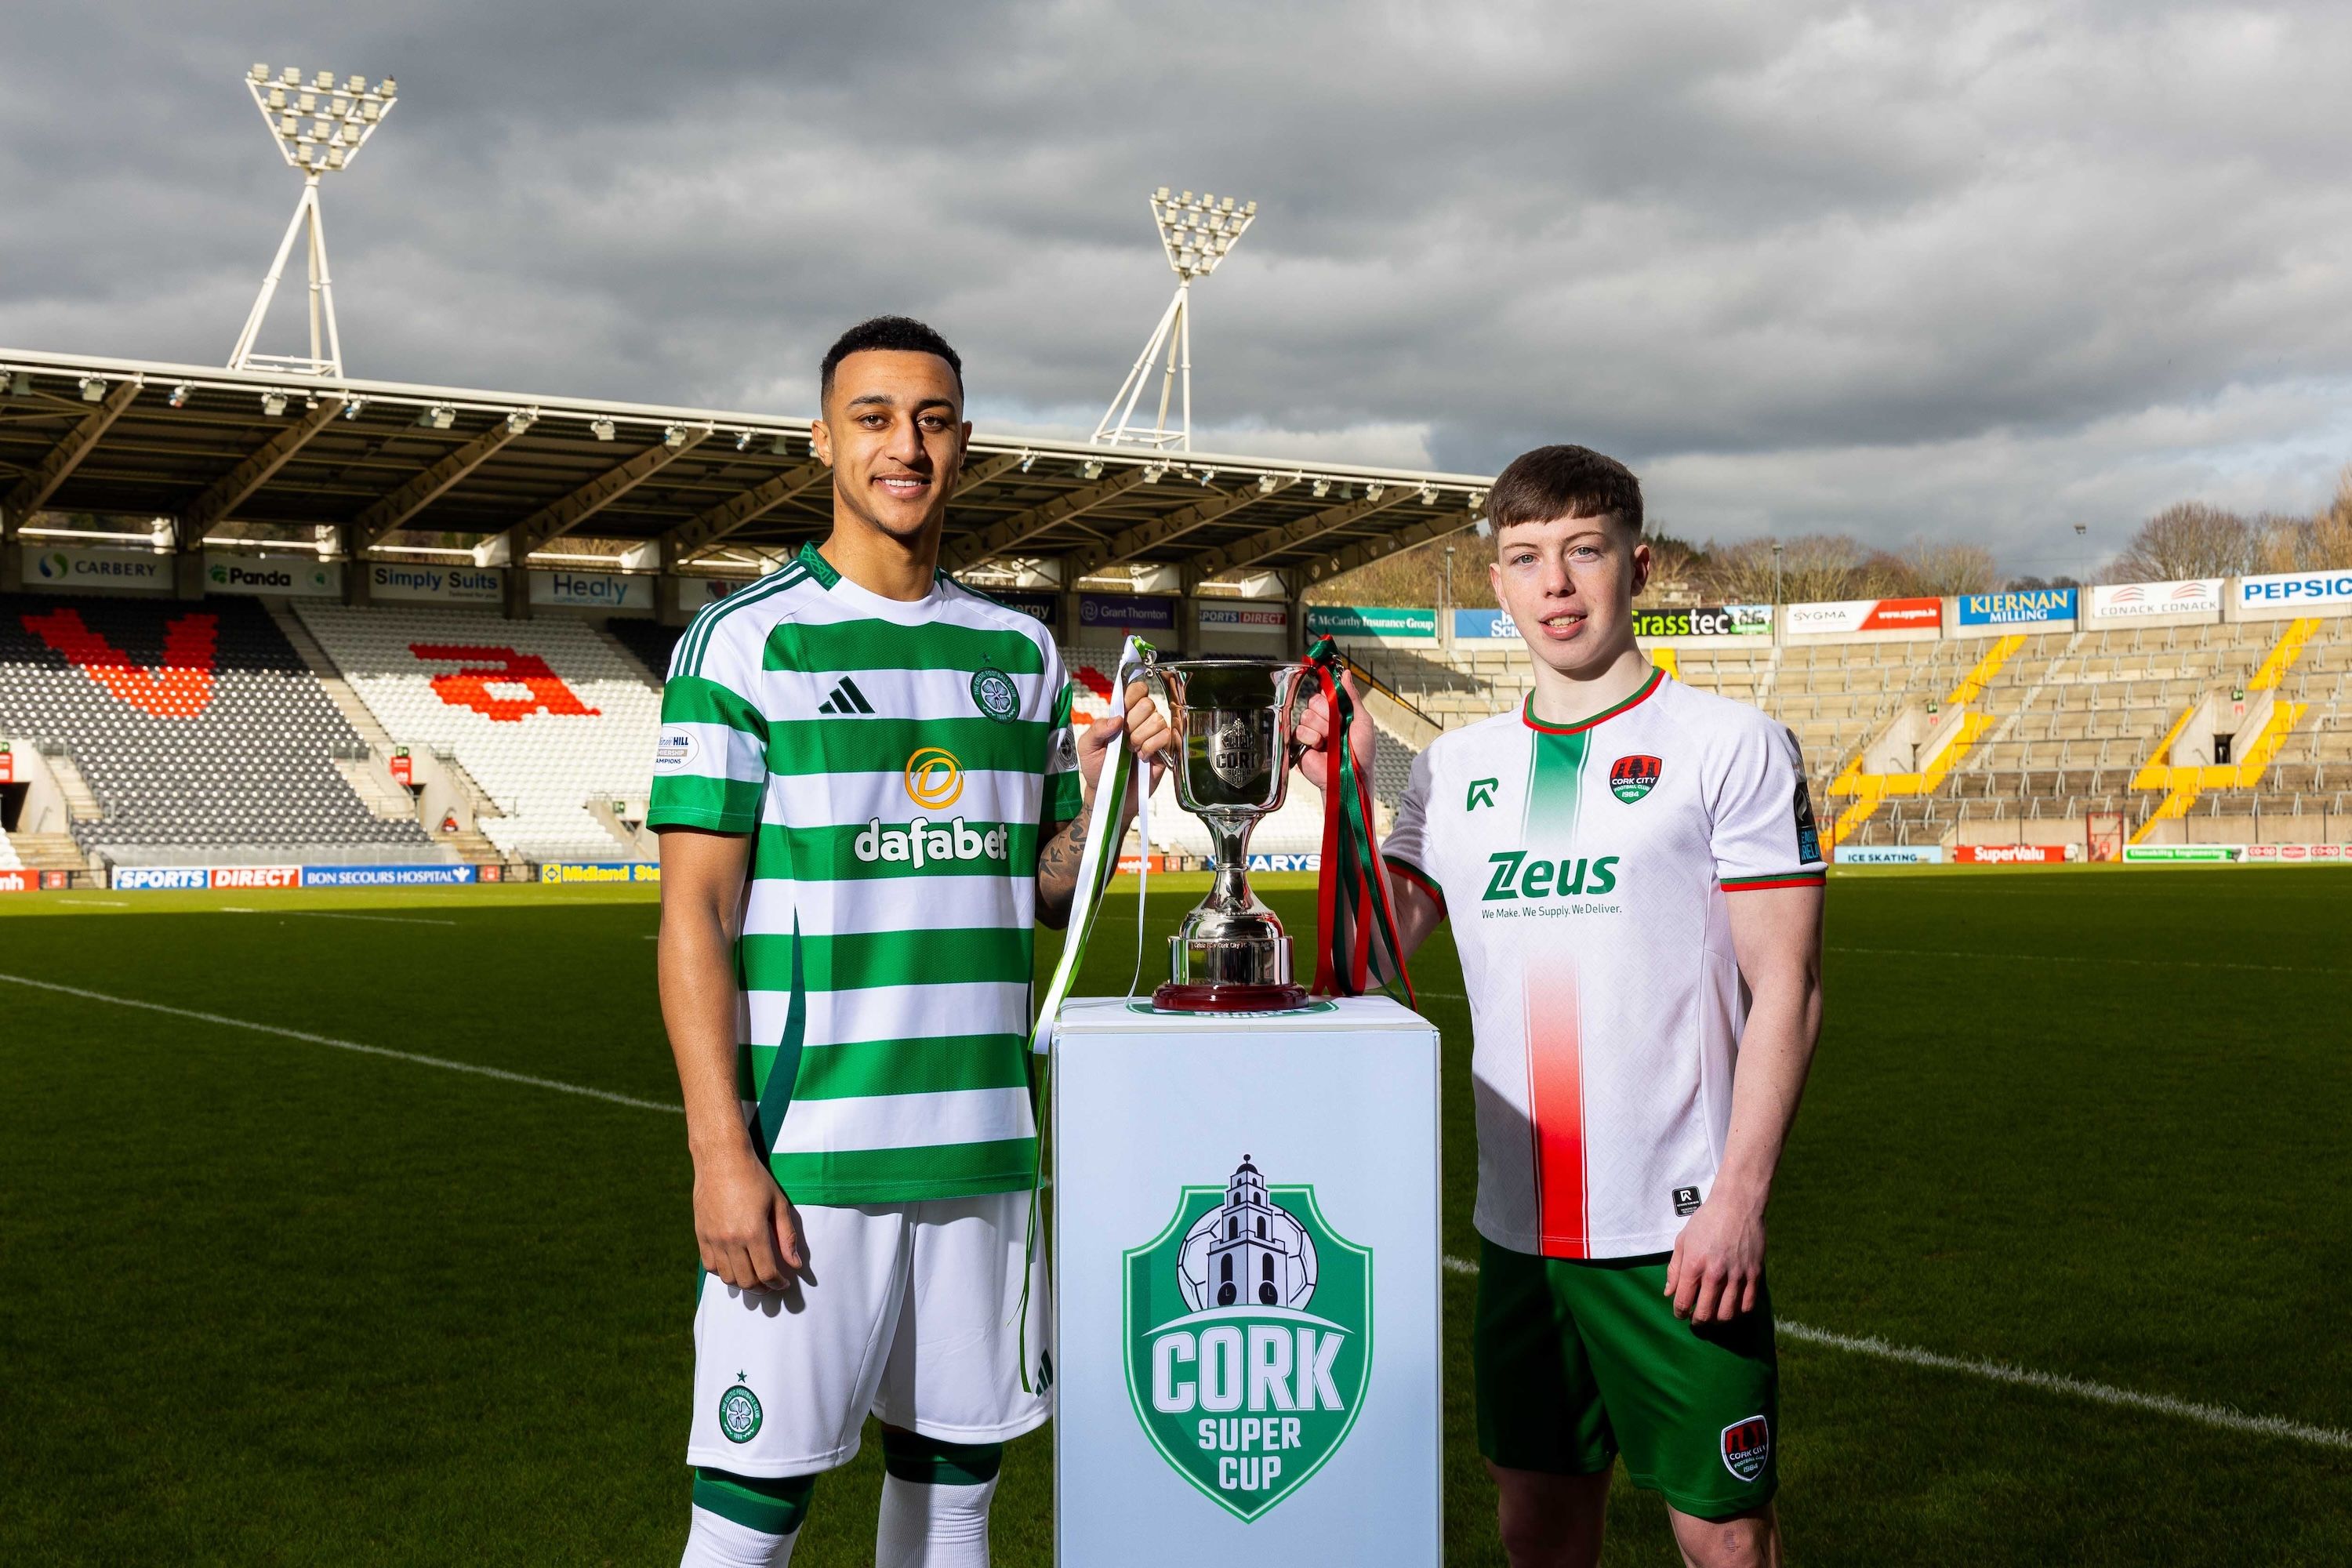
(1249, 1339)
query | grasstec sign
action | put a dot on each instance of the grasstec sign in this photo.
(1706, 621)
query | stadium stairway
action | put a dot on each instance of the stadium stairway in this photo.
(2272, 717)
(1939, 747)
(546, 716)
(178, 730)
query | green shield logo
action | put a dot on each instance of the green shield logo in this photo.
(1249, 1339)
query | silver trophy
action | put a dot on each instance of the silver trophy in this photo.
(1233, 722)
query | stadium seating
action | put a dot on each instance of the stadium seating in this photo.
(651, 642)
(546, 715)
(196, 727)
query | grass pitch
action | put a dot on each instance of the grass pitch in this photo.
(263, 1301)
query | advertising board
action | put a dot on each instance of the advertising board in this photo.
(1369, 621)
(2183, 854)
(599, 871)
(2018, 607)
(244, 877)
(1037, 605)
(272, 577)
(695, 593)
(2180, 596)
(7, 764)
(2296, 594)
(1848, 617)
(605, 591)
(1251, 619)
(2015, 853)
(1706, 621)
(1485, 625)
(15, 882)
(1125, 613)
(1890, 854)
(2292, 855)
(393, 875)
(160, 879)
(406, 582)
(90, 566)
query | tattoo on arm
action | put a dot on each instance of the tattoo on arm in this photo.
(1057, 872)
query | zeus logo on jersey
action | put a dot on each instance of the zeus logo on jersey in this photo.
(1516, 876)
(922, 842)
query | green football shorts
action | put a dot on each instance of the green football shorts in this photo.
(1576, 1363)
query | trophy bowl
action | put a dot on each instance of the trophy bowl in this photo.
(1232, 720)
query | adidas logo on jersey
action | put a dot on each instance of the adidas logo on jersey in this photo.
(845, 699)
(922, 842)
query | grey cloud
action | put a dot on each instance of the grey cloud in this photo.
(1896, 268)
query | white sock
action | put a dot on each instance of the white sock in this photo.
(928, 1526)
(716, 1543)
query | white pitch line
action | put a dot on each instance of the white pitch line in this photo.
(413, 1057)
(2083, 958)
(380, 919)
(2220, 1415)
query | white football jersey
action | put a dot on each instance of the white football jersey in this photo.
(1585, 870)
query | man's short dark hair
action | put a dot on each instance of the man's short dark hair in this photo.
(1563, 481)
(900, 332)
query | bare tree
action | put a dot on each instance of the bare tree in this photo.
(2322, 542)
(1810, 567)
(2188, 538)
(1949, 569)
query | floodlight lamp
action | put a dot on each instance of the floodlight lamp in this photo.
(1205, 474)
(385, 88)
(352, 407)
(743, 440)
(94, 389)
(520, 420)
(1477, 501)
(1091, 468)
(306, 102)
(1153, 472)
(324, 79)
(179, 394)
(440, 416)
(273, 404)
(259, 73)
(1162, 192)
(782, 445)
(1322, 489)
(276, 99)
(601, 428)
(335, 157)
(1428, 494)
(290, 76)
(288, 125)
(355, 84)
(1265, 483)
(1374, 492)
(1027, 459)
(674, 438)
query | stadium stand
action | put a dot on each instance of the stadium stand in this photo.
(550, 718)
(1985, 740)
(649, 642)
(194, 731)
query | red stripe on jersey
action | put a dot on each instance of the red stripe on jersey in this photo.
(1810, 880)
(1556, 1111)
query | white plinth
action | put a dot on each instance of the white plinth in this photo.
(1322, 1406)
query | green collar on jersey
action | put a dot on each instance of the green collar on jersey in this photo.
(1528, 711)
(819, 567)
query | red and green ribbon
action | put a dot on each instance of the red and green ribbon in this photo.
(1353, 911)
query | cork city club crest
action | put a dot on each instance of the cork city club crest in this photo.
(1249, 1340)
(1631, 778)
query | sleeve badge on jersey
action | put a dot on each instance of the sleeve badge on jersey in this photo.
(673, 750)
(1809, 838)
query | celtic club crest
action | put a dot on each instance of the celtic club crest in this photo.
(1249, 1340)
(738, 1412)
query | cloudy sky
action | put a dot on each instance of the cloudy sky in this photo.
(1962, 272)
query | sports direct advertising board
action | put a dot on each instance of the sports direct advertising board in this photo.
(2130, 601)
(1851, 615)
(197, 879)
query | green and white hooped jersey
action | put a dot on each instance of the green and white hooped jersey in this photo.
(895, 764)
(1585, 870)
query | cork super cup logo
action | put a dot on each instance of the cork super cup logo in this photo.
(1249, 1340)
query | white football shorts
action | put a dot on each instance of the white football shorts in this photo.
(912, 1312)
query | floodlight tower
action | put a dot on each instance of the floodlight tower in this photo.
(1197, 233)
(319, 128)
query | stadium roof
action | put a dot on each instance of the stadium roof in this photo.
(269, 456)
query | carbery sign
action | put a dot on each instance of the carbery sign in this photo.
(1249, 1339)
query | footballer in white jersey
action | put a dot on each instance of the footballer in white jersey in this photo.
(1634, 883)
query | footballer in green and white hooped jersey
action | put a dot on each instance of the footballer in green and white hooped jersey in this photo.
(869, 793)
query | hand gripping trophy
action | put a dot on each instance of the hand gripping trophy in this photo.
(1232, 719)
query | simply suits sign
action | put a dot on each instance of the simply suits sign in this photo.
(399, 581)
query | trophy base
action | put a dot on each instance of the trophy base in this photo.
(1228, 996)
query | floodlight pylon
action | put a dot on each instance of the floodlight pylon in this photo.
(319, 128)
(1197, 233)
